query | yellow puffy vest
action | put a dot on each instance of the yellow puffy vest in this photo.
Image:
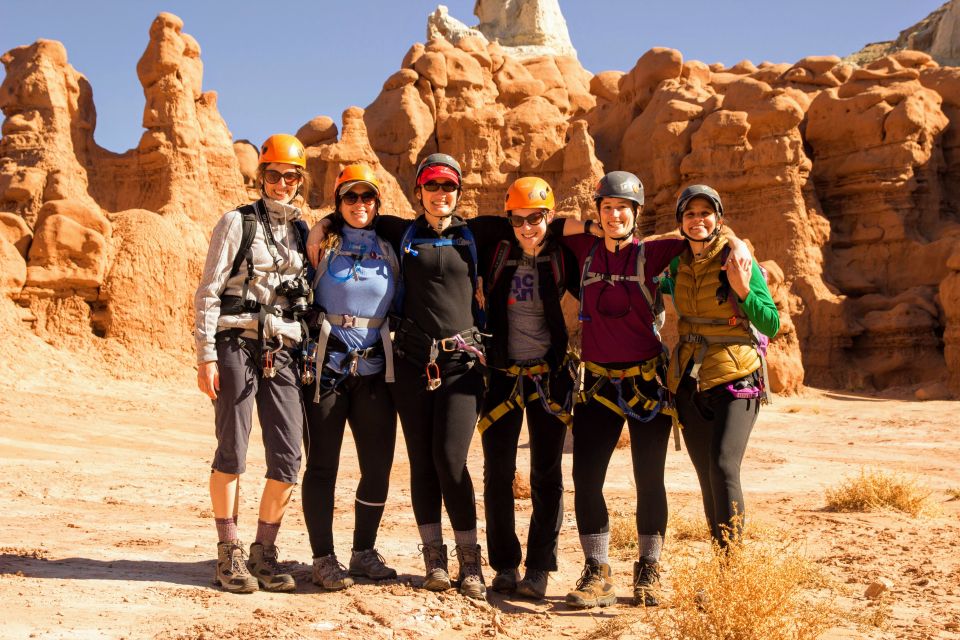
(695, 295)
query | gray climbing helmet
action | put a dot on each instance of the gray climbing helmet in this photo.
(619, 184)
(699, 191)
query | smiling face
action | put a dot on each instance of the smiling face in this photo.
(530, 236)
(438, 203)
(617, 216)
(280, 190)
(699, 219)
(361, 213)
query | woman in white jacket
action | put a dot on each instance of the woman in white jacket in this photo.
(248, 334)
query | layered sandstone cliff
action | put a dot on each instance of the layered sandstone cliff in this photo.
(844, 179)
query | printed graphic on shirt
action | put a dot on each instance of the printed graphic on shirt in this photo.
(523, 288)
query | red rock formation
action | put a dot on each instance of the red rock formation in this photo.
(62, 197)
(846, 181)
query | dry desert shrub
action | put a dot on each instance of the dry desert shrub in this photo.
(521, 486)
(623, 534)
(613, 628)
(875, 490)
(953, 494)
(750, 591)
(683, 527)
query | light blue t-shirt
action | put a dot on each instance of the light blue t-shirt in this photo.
(358, 282)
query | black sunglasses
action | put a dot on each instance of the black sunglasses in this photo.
(532, 219)
(448, 187)
(290, 177)
(351, 197)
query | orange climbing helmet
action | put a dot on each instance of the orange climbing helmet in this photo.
(529, 193)
(354, 174)
(282, 147)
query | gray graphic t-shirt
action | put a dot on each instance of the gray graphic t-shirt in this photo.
(529, 336)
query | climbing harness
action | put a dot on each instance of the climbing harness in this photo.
(535, 370)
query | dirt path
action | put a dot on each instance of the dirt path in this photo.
(107, 533)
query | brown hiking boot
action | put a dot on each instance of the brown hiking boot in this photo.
(646, 583)
(533, 585)
(437, 577)
(329, 574)
(471, 575)
(232, 574)
(370, 564)
(505, 581)
(594, 588)
(263, 565)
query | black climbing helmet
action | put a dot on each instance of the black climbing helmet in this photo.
(619, 184)
(699, 191)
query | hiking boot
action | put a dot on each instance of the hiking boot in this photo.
(232, 573)
(505, 581)
(533, 585)
(437, 578)
(329, 574)
(263, 565)
(370, 564)
(471, 575)
(594, 588)
(646, 583)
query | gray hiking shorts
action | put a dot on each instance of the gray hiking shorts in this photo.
(279, 407)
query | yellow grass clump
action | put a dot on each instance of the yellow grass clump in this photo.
(876, 490)
(750, 591)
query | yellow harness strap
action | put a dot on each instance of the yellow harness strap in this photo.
(516, 399)
(647, 370)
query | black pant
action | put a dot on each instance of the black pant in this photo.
(500, 440)
(596, 430)
(716, 428)
(364, 402)
(438, 427)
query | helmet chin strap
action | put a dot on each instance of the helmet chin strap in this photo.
(713, 234)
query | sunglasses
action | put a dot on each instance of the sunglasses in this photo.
(533, 219)
(290, 177)
(351, 197)
(448, 187)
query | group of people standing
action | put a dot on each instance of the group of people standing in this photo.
(455, 326)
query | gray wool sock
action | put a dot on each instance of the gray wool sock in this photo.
(596, 546)
(650, 547)
(431, 533)
(465, 538)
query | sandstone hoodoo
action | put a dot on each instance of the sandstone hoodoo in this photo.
(843, 177)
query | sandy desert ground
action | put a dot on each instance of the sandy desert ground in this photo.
(107, 533)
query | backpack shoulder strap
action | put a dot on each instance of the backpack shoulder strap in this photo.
(497, 265)
(556, 263)
(642, 275)
(249, 230)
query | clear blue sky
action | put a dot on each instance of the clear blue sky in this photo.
(276, 65)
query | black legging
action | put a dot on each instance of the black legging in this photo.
(500, 440)
(716, 428)
(365, 402)
(596, 430)
(438, 427)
